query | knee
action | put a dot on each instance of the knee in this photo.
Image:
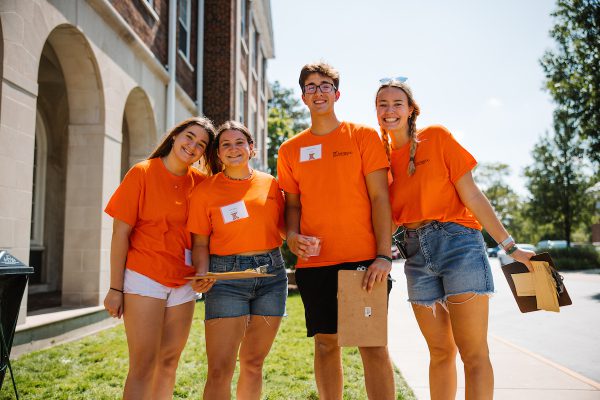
(476, 357)
(142, 368)
(169, 361)
(442, 352)
(378, 354)
(326, 345)
(252, 364)
(220, 371)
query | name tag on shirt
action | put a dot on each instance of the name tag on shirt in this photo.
(310, 153)
(233, 212)
(188, 257)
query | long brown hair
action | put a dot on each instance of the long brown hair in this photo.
(214, 162)
(412, 122)
(166, 144)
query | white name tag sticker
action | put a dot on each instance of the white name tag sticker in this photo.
(188, 257)
(310, 153)
(234, 211)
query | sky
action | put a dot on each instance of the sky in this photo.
(473, 65)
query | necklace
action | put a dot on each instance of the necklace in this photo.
(239, 179)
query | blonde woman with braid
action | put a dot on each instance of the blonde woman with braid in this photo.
(449, 280)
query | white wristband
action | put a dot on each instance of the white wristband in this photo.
(507, 241)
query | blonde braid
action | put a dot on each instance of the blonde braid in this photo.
(412, 136)
(385, 138)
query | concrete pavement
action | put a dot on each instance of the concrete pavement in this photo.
(519, 373)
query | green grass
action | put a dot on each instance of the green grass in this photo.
(95, 367)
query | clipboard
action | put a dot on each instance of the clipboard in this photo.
(227, 276)
(529, 303)
(362, 316)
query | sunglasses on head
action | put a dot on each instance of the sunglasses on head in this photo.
(398, 79)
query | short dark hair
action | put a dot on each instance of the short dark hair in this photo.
(320, 68)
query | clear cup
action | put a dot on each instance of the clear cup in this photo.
(315, 246)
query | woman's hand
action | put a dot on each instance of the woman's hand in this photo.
(113, 303)
(299, 244)
(523, 256)
(202, 285)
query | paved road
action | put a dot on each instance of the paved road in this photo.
(570, 338)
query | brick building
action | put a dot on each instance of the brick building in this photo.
(88, 87)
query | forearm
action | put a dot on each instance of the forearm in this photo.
(118, 255)
(292, 219)
(381, 215)
(481, 208)
(200, 258)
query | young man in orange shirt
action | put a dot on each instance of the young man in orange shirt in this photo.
(334, 175)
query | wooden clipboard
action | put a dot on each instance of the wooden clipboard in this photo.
(529, 303)
(362, 316)
(226, 276)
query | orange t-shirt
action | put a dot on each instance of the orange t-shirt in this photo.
(329, 174)
(430, 193)
(155, 203)
(239, 216)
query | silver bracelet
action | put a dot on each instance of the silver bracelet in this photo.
(507, 241)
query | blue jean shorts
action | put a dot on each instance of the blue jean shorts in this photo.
(256, 296)
(445, 259)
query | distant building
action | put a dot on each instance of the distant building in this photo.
(88, 87)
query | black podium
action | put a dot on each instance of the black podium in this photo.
(13, 279)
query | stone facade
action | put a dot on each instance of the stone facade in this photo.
(84, 96)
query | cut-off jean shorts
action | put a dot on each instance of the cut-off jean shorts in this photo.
(445, 259)
(256, 296)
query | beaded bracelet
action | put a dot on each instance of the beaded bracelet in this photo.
(384, 257)
(512, 250)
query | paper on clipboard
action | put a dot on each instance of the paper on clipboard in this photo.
(362, 316)
(226, 276)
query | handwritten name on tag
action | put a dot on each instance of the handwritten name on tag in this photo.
(233, 212)
(310, 153)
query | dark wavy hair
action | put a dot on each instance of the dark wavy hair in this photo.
(166, 144)
(214, 162)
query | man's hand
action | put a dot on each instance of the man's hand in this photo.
(299, 244)
(378, 271)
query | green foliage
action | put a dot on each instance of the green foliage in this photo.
(286, 118)
(290, 258)
(491, 178)
(572, 72)
(558, 182)
(95, 367)
(573, 258)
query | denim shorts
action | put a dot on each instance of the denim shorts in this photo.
(445, 259)
(255, 296)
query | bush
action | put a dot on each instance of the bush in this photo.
(573, 258)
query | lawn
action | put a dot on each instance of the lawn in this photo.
(95, 367)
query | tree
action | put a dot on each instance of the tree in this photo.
(558, 182)
(573, 69)
(491, 178)
(286, 118)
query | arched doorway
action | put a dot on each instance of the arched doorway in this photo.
(69, 149)
(139, 129)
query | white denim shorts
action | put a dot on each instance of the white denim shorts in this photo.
(136, 283)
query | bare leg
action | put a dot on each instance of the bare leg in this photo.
(328, 367)
(379, 373)
(442, 351)
(223, 338)
(470, 327)
(255, 347)
(176, 329)
(144, 317)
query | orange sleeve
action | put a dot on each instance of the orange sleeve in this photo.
(372, 152)
(457, 159)
(125, 201)
(284, 172)
(198, 219)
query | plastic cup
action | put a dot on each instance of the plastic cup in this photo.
(315, 247)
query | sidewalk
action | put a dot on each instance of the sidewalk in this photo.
(519, 373)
